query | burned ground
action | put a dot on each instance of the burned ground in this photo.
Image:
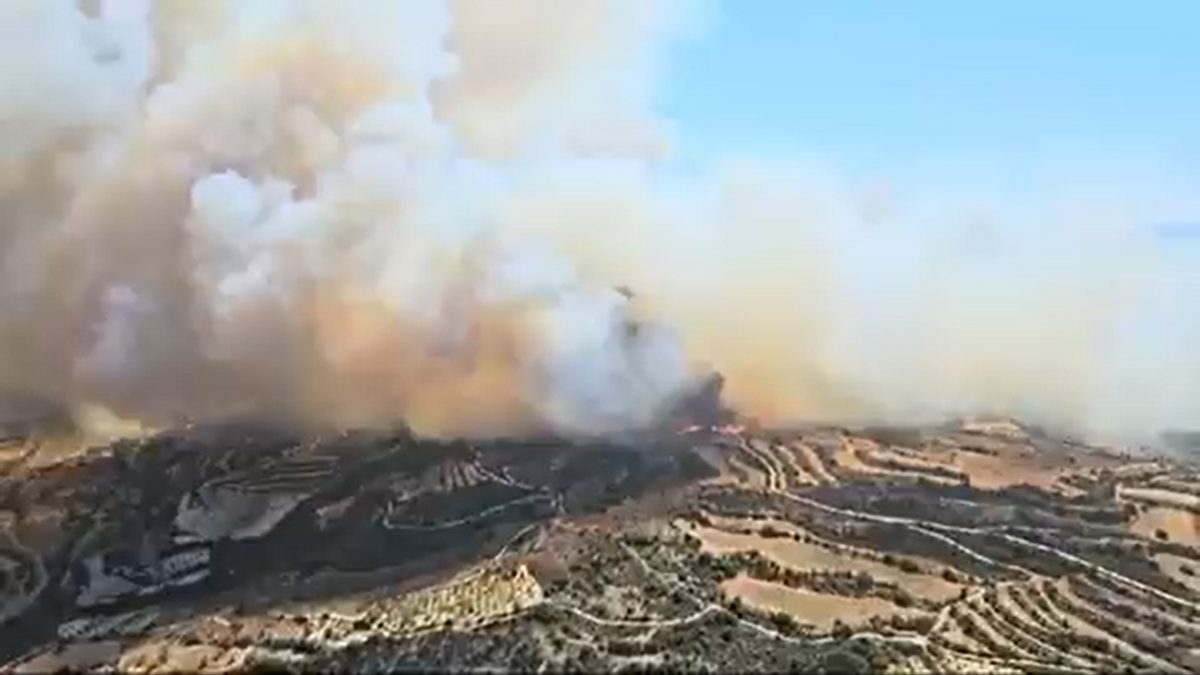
(718, 547)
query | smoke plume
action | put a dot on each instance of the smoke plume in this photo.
(362, 213)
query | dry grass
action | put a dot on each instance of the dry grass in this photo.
(11, 451)
(1002, 428)
(1120, 645)
(1159, 496)
(749, 474)
(1007, 462)
(1132, 627)
(54, 449)
(991, 473)
(980, 618)
(812, 460)
(914, 464)
(847, 458)
(1137, 470)
(1179, 525)
(809, 607)
(1172, 566)
(158, 657)
(852, 450)
(799, 474)
(808, 556)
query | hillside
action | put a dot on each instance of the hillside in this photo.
(975, 546)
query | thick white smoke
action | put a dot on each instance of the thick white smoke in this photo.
(359, 213)
(281, 208)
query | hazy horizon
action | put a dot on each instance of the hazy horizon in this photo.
(365, 213)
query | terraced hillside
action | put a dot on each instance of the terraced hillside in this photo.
(982, 546)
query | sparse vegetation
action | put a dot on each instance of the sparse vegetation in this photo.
(624, 588)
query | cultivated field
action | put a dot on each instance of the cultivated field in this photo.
(819, 609)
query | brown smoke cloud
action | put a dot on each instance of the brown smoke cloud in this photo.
(345, 213)
(279, 209)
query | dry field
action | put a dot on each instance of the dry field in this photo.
(1179, 525)
(818, 609)
(809, 556)
(990, 463)
(1159, 496)
(850, 453)
(1069, 623)
(808, 458)
(1016, 465)
(1174, 566)
(991, 473)
(175, 658)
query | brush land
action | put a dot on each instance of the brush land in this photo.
(977, 546)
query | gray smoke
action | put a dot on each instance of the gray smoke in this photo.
(358, 213)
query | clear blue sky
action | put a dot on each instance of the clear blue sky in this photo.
(881, 85)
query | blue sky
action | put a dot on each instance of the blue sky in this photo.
(999, 86)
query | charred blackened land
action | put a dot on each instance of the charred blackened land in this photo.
(940, 548)
(174, 520)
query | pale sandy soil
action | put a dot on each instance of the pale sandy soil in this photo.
(1069, 491)
(799, 474)
(176, 658)
(54, 449)
(809, 458)
(818, 609)
(997, 636)
(1012, 464)
(913, 463)
(799, 555)
(1028, 624)
(754, 476)
(980, 444)
(1159, 496)
(10, 451)
(847, 457)
(758, 453)
(1167, 482)
(914, 457)
(953, 634)
(1181, 526)
(1031, 620)
(1172, 565)
(1121, 647)
(990, 473)
(1132, 626)
(1002, 428)
(1138, 469)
